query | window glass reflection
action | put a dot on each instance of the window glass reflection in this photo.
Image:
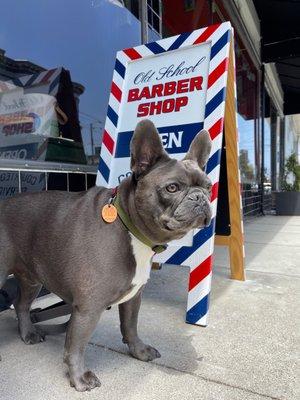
(246, 143)
(247, 98)
(53, 104)
(267, 154)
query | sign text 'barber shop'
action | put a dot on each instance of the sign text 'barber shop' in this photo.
(152, 88)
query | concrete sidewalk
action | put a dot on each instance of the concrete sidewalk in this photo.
(248, 351)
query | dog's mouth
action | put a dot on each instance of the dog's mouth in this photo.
(167, 228)
(174, 225)
(198, 218)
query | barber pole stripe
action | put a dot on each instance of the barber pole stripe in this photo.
(215, 106)
(108, 142)
(206, 34)
(196, 258)
(116, 91)
(51, 78)
(132, 54)
(199, 257)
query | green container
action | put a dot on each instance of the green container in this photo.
(65, 151)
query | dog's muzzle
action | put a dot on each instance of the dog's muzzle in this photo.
(201, 206)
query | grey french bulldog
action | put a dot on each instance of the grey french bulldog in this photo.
(59, 240)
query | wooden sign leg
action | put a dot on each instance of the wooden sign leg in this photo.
(236, 238)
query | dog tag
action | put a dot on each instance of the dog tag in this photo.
(109, 213)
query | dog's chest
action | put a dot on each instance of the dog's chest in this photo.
(143, 255)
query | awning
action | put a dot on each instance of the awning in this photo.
(280, 30)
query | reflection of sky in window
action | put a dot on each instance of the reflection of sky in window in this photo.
(246, 140)
(80, 35)
(267, 147)
(246, 137)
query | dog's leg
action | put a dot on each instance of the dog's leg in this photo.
(82, 323)
(129, 319)
(3, 276)
(27, 293)
(4, 262)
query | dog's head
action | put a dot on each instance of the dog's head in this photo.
(171, 197)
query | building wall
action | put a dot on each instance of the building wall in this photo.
(257, 179)
(177, 20)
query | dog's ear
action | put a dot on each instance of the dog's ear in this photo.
(200, 148)
(145, 148)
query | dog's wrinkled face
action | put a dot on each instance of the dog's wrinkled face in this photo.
(171, 197)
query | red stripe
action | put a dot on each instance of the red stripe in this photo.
(216, 129)
(132, 54)
(217, 72)
(214, 191)
(108, 141)
(47, 76)
(115, 90)
(207, 33)
(199, 273)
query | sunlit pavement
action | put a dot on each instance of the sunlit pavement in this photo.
(248, 350)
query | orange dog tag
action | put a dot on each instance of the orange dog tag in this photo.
(109, 213)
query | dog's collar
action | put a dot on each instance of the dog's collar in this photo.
(115, 200)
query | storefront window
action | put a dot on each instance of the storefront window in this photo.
(247, 159)
(271, 147)
(267, 154)
(275, 148)
(53, 105)
(183, 16)
(247, 81)
(247, 100)
(290, 135)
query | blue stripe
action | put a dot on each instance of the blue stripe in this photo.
(17, 82)
(112, 116)
(215, 102)
(169, 134)
(54, 83)
(198, 310)
(31, 80)
(178, 42)
(199, 239)
(119, 67)
(213, 161)
(103, 169)
(155, 47)
(220, 44)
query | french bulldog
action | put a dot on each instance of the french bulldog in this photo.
(60, 240)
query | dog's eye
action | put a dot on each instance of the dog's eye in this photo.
(172, 188)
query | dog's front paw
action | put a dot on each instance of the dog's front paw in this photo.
(143, 352)
(86, 382)
(33, 337)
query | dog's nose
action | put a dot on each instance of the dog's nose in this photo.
(194, 196)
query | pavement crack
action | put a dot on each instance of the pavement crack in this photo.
(218, 382)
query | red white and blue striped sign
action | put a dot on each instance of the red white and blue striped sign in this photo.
(47, 82)
(180, 84)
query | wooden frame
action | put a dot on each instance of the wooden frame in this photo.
(235, 241)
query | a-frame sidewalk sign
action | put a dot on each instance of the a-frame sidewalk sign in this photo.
(184, 83)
